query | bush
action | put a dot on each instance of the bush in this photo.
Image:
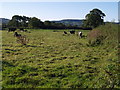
(95, 37)
(104, 34)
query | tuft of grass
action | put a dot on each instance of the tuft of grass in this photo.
(22, 39)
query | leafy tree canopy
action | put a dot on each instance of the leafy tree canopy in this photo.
(18, 21)
(94, 18)
(35, 23)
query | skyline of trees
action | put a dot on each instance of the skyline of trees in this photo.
(93, 20)
(35, 23)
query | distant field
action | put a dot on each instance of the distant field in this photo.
(54, 60)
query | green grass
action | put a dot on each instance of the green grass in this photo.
(54, 60)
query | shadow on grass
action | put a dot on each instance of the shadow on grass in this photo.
(31, 46)
(5, 63)
(27, 46)
(12, 50)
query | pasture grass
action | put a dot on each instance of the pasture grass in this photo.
(53, 60)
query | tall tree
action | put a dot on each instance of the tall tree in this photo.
(35, 23)
(13, 23)
(25, 21)
(19, 21)
(94, 18)
(47, 24)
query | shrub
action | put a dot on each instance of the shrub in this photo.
(105, 34)
(95, 37)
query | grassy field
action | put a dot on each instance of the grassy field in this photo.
(54, 60)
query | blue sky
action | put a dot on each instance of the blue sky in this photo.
(58, 10)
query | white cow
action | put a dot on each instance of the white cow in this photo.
(80, 34)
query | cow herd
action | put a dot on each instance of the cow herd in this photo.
(14, 29)
(20, 38)
(73, 32)
(22, 30)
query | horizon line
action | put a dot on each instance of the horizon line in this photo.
(64, 19)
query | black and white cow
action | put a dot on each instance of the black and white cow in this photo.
(65, 32)
(11, 29)
(21, 29)
(72, 32)
(17, 35)
(80, 34)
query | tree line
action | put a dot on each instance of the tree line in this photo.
(92, 20)
(18, 21)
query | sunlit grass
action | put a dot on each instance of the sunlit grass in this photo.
(53, 60)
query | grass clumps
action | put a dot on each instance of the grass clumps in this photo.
(52, 60)
(23, 40)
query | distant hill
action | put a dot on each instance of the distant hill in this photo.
(71, 22)
(4, 21)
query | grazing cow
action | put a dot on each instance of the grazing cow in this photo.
(12, 29)
(72, 32)
(80, 34)
(17, 35)
(25, 31)
(65, 32)
(21, 29)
